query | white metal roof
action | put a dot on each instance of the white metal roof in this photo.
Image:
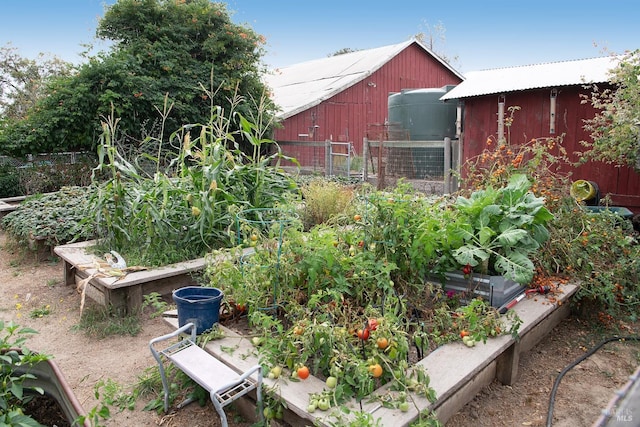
(552, 74)
(298, 87)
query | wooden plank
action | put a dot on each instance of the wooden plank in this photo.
(445, 409)
(507, 364)
(545, 325)
(76, 254)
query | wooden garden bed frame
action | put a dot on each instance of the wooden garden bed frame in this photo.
(10, 204)
(125, 294)
(457, 372)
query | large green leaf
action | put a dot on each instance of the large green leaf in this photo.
(511, 237)
(516, 267)
(471, 255)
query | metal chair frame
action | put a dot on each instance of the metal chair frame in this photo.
(224, 384)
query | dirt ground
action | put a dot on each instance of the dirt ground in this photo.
(27, 285)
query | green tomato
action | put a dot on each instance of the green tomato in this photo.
(470, 343)
(256, 341)
(311, 408)
(332, 382)
(323, 404)
(276, 371)
(404, 406)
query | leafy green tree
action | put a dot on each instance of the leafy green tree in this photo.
(615, 129)
(160, 48)
(23, 81)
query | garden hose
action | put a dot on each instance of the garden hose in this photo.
(556, 384)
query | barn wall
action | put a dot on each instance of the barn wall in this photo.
(347, 115)
(532, 121)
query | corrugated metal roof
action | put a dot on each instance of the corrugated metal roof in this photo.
(298, 87)
(552, 74)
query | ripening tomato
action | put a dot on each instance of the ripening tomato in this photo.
(357, 217)
(382, 343)
(375, 370)
(373, 323)
(303, 372)
(466, 269)
(363, 334)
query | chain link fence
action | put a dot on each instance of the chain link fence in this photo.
(43, 173)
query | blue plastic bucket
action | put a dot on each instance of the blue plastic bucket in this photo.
(198, 305)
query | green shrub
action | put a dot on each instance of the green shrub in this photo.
(324, 199)
(9, 181)
(13, 390)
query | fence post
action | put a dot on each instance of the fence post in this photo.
(365, 158)
(380, 165)
(447, 165)
(328, 165)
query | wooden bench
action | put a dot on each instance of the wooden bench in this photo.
(224, 384)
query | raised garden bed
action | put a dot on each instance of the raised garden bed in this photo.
(457, 373)
(10, 204)
(59, 404)
(125, 292)
(497, 290)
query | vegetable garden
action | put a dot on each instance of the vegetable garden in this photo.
(351, 293)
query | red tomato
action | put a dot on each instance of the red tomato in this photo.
(303, 372)
(363, 334)
(466, 269)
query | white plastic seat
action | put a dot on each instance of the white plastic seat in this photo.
(223, 384)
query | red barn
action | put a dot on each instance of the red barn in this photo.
(337, 98)
(549, 97)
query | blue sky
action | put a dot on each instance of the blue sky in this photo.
(482, 35)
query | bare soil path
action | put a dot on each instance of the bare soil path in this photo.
(27, 285)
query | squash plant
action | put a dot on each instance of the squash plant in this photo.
(501, 229)
(54, 217)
